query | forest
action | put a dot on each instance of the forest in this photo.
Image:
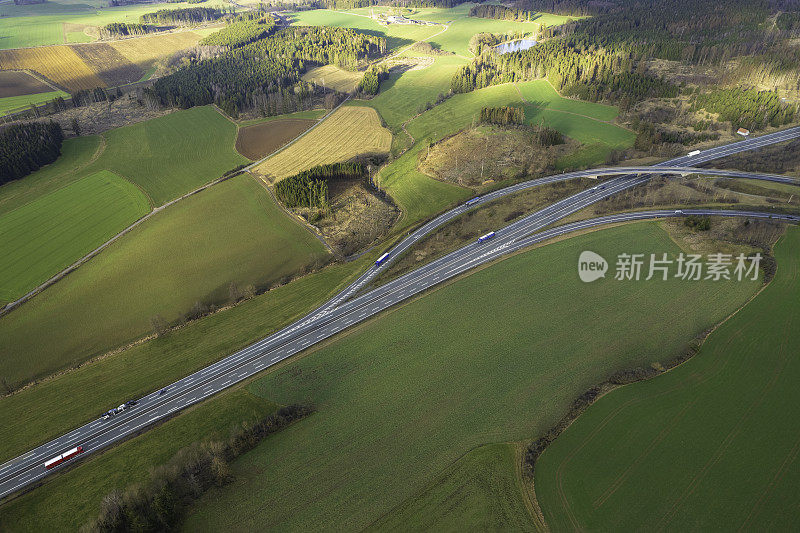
(186, 16)
(574, 67)
(310, 187)
(497, 11)
(242, 30)
(24, 148)
(124, 29)
(244, 77)
(703, 32)
(747, 108)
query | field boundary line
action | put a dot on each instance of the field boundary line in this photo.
(729, 438)
(250, 167)
(16, 303)
(559, 472)
(13, 305)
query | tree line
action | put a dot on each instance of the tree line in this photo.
(246, 76)
(788, 21)
(310, 187)
(185, 16)
(497, 11)
(124, 29)
(504, 116)
(160, 504)
(25, 148)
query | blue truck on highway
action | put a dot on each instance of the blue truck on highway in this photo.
(484, 238)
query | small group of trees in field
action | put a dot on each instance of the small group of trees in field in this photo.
(25, 148)
(310, 187)
(503, 116)
(160, 503)
(371, 82)
(546, 136)
(124, 29)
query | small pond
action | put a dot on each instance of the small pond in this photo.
(514, 46)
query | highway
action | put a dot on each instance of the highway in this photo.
(347, 308)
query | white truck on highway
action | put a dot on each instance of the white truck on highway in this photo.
(693, 153)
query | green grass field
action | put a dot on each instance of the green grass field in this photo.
(710, 445)
(232, 232)
(10, 104)
(396, 36)
(463, 27)
(43, 24)
(76, 153)
(402, 94)
(51, 232)
(479, 492)
(125, 464)
(542, 93)
(421, 196)
(492, 358)
(173, 154)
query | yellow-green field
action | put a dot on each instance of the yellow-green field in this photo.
(333, 77)
(11, 104)
(59, 64)
(347, 133)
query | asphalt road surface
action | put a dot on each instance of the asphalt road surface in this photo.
(345, 310)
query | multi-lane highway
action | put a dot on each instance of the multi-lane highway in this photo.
(345, 310)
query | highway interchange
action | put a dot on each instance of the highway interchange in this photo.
(349, 307)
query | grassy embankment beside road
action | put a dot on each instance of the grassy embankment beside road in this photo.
(495, 357)
(519, 362)
(718, 435)
(146, 367)
(74, 497)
